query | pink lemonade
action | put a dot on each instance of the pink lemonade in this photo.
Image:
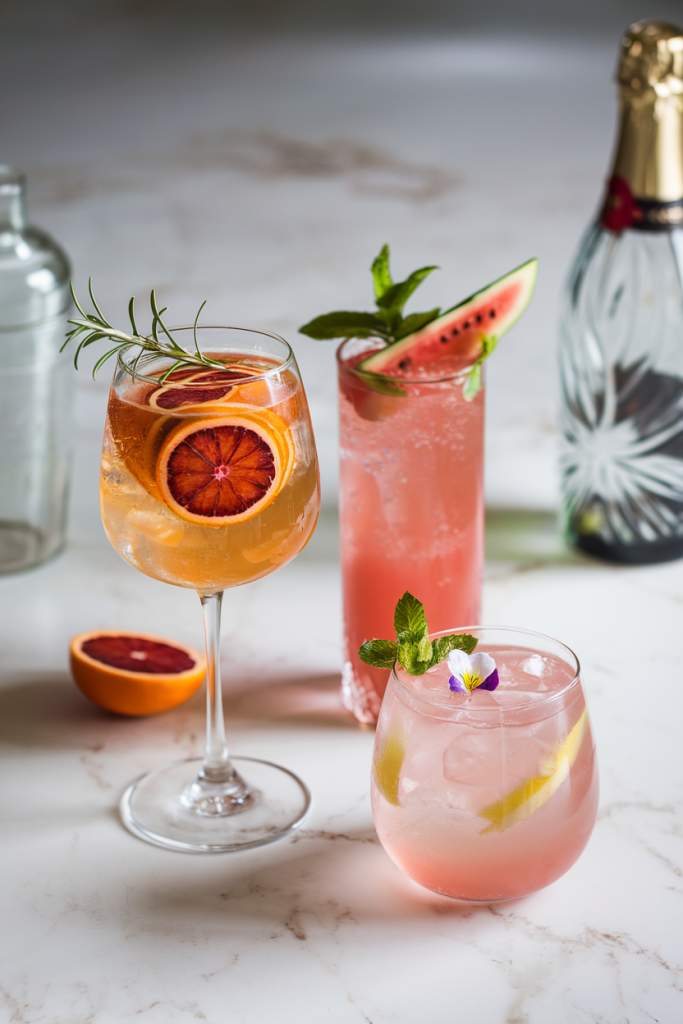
(490, 796)
(411, 509)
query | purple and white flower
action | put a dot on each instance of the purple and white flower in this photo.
(472, 672)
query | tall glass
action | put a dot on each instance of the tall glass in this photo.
(493, 795)
(411, 503)
(210, 480)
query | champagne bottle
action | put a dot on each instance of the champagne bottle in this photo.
(621, 348)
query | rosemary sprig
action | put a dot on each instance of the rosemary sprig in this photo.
(92, 327)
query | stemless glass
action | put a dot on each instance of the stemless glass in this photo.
(210, 480)
(493, 795)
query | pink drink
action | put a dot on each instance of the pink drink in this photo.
(493, 796)
(411, 508)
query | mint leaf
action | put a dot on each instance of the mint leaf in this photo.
(383, 385)
(445, 644)
(396, 297)
(344, 324)
(473, 383)
(412, 647)
(379, 653)
(381, 275)
(415, 322)
(415, 653)
(387, 322)
(409, 616)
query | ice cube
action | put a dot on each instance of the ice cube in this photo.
(473, 756)
(158, 528)
(535, 665)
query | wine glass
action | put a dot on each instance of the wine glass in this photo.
(210, 480)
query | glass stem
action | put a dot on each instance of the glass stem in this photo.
(217, 767)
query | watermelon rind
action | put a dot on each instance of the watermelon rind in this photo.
(454, 327)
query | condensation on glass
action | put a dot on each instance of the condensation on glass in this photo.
(36, 384)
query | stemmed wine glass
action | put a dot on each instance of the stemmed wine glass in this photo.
(210, 480)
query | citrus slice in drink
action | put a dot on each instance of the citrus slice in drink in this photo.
(135, 673)
(533, 793)
(187, 388)
(222, 470)
(387, 766)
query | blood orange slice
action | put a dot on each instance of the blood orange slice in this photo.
(134, 673)
(222, 470)
(183, 387)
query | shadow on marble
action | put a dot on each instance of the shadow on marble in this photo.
(306, 886)
(299, 700)
(47, 710)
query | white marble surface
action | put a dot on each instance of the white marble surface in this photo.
(98, 926)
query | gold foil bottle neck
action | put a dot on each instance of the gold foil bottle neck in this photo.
(652, 59)
(649, 156)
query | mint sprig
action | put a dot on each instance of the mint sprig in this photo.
(412, 647)
(387, 322)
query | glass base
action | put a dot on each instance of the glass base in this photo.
(157, 808)
(23, 546)
(668, 549)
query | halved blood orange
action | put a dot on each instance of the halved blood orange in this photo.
(223, 470)
(135, 673)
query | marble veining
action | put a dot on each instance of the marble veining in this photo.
(265, 176)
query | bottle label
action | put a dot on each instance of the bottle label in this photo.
(623, 210)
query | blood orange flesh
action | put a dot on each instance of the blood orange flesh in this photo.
(133, 673)
(135, 654)
(201, 387)
(218, 472)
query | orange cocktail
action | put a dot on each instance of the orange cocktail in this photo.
(157, 433)
(209, 480)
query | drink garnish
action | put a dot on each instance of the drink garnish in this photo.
(412, 647)
(92, 327)
(222, 470)
(533, 793)
(388, 321)
(387, 765)
(457, 340)
(472, 672)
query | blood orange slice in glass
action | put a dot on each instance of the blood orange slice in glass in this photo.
(135, 673)
(222, 470)
(183, 387)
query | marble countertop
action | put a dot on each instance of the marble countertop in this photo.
(264, 175)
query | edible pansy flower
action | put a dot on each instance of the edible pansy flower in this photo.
(472, 672)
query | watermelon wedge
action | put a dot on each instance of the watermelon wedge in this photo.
(461, 337)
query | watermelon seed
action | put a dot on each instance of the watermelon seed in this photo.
(492, 313)
(466, 324)
(456, 331)
(444, 339)
(478, 318)
(404, 364)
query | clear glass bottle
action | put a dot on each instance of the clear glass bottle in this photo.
(36, 384)
(621, 349)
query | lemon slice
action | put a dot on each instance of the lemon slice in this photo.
(533, 793)
(388, 764)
